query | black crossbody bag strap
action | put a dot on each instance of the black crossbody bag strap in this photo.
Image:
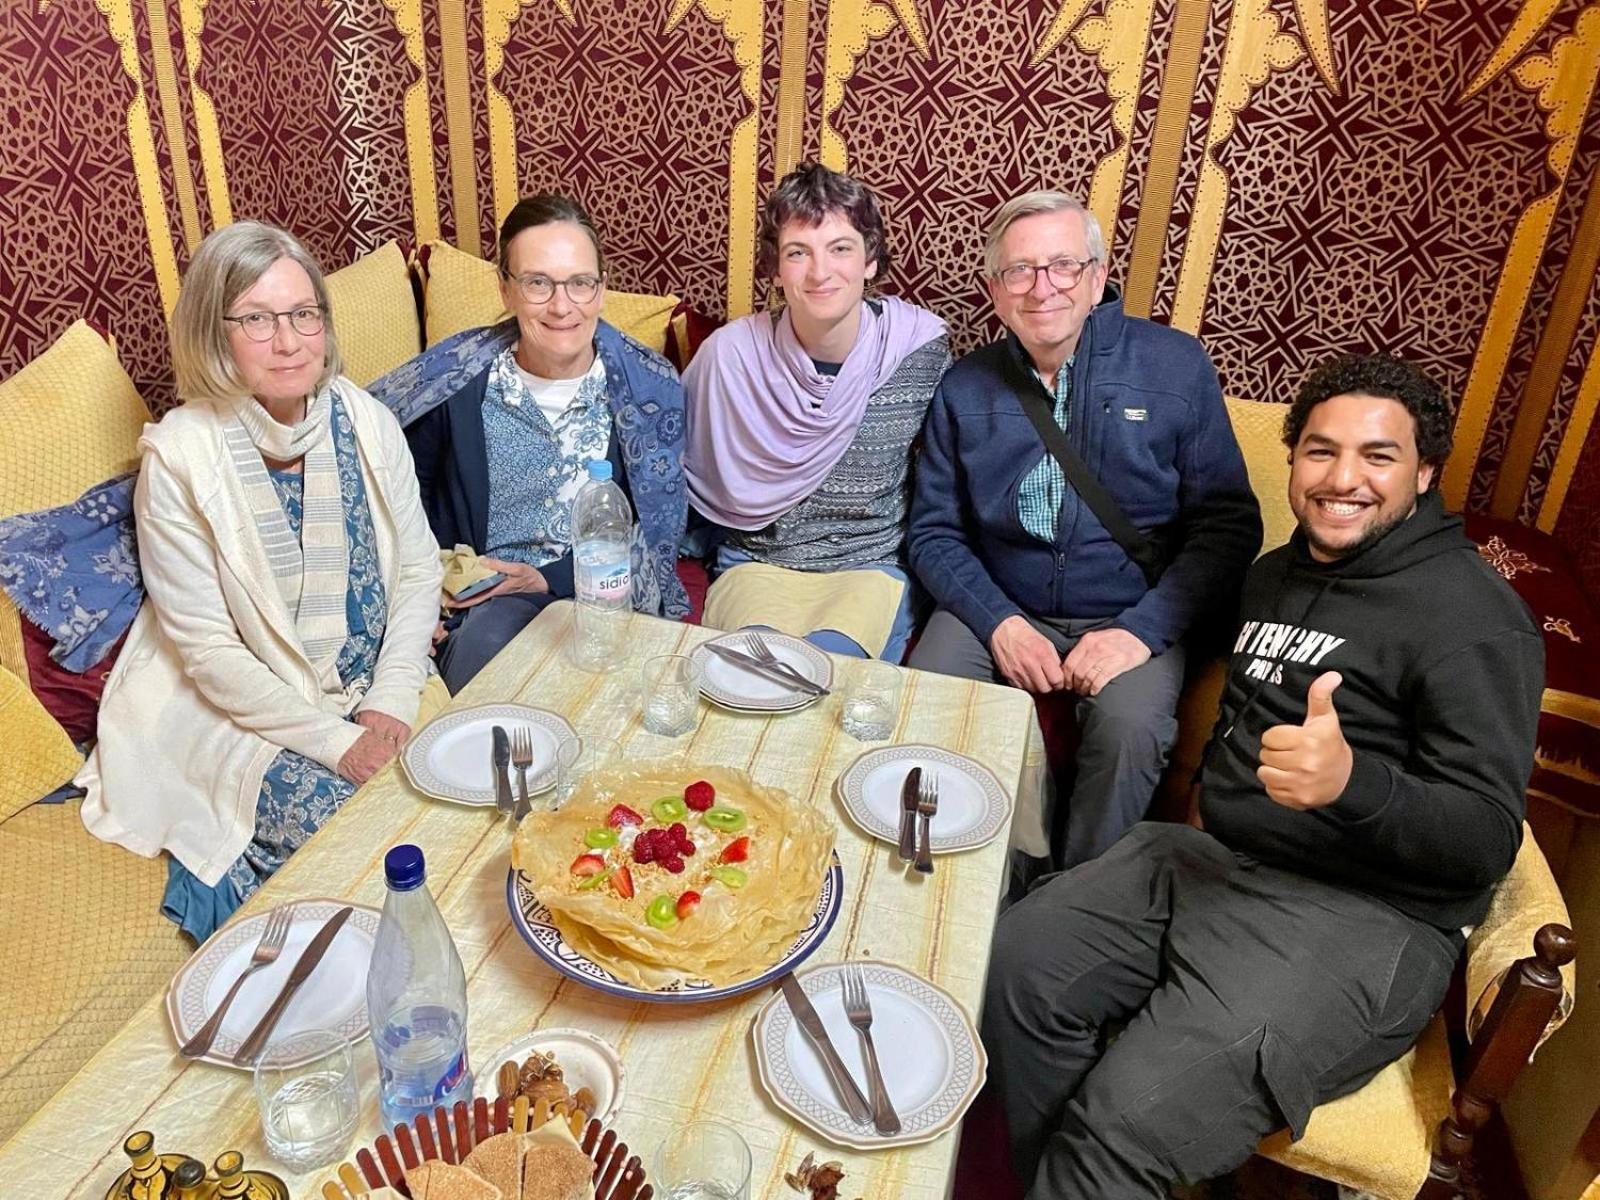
(1138, 546)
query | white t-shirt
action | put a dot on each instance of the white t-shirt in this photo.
(554, 396)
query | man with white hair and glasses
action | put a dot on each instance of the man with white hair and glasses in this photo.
(1081, 503)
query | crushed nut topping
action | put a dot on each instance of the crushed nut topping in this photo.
(820, 1179)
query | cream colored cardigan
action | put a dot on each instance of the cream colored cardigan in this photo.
(213, 681)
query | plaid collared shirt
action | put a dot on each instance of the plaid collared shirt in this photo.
(1039, 498)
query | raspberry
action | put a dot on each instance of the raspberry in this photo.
(699, 795)
(686, 848)
(643, 852)
(674, 864)
(679, 831)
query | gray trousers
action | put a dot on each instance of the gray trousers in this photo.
(1250, 995)
(1126, 731)
(475, 635)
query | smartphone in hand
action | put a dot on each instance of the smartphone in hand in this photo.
(478, 588)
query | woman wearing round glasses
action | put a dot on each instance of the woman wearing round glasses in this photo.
(504, 421)
(292, 586)
(801, 424)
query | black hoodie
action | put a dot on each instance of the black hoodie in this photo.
(1443, 670)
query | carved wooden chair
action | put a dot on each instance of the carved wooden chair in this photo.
(1406, 1133)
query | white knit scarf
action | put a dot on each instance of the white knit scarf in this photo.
(313, 573)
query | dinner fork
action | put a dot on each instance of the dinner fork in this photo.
(859, 1010)
(273, 937)
(758, 647)
(522, 759)
(927, 808)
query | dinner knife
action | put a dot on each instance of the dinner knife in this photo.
(800, 1005)
(501, 758)
(908, 813)
(251, 1047)
(756, 666)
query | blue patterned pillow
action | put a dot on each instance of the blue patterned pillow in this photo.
(74, 571)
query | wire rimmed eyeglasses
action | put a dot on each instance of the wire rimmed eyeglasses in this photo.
(307, 321)
(541, 289)
(1019, 278)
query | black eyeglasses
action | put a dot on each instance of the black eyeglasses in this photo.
(541, 289)
(1019, 278)
(307, 321)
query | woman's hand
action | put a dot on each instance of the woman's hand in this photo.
(367, 757)
(387, 727)
(519, 577)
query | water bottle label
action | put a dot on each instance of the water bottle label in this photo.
(395, 1085)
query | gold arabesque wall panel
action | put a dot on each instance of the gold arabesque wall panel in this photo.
(1286, 178)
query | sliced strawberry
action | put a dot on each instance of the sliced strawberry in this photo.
(588, 864)
(621, 815)
(737, 850)
(622, 881)
(699, 795)
(687, 903)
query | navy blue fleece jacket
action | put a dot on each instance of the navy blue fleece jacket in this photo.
(1147, 417)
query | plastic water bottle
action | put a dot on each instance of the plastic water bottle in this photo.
(602, 552)
(416, 998)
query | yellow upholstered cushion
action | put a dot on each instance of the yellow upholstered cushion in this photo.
(375, 313)
(1378, 1139)
(68, 420)
(461, 291)
(83, 946)
(38, 755)
(1258, 425)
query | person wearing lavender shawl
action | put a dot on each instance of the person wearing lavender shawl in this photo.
(801, 428)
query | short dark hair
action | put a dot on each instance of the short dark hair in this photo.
(545, 209)
(1388, 378)
(808, 194)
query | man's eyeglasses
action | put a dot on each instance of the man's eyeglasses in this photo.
(1019, 278)
(306, 320)
(541, 289)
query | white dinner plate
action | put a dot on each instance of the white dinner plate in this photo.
(933, 1063)
(586, 1061)
(729, 685)
(972, 804)
(451, 757)
(333, 997)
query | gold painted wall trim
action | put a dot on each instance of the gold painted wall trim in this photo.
(791, 87)
(741, 22)
(1256, 47)
(1189, 21)
(458, 122)
(1544, 378)
(1584, 709)
(166, 71)
(852, 25)
(1572, 442)
(142, 145)
(407, 16)
(498, 18)
(191, 20)
(1120, 42)
(1563, 82)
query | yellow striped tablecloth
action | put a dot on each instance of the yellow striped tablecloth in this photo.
(681, 1061)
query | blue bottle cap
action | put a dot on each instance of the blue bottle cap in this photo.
(403, 867)
(600, 469)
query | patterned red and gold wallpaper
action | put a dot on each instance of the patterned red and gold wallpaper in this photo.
(1285, 178)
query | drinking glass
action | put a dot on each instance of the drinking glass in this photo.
(703, 1160)
(306, 1091)
(671, 694)
(578, 759)
(871, 701)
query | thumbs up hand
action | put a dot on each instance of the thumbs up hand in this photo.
(1307, 765)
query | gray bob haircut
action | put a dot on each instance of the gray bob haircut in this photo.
(1032, 204)
(225, 267)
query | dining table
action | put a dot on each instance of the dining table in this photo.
(682, 1061)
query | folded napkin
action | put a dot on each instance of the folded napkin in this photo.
(462, 568)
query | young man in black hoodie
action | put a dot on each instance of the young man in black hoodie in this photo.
(1361, 796)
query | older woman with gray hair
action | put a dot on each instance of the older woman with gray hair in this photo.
(292, 581)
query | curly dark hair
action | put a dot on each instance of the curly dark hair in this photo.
(546, 209)
(808, 194)
(1386, 377)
